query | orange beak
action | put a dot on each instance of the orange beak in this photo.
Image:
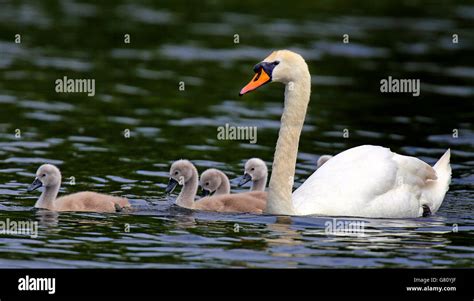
(258, 80)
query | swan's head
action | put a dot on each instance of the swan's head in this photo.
(282, 66)
(181, 171)
(255, 170)
(210, 181)
(47, 175)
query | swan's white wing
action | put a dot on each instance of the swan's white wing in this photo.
(368, 181)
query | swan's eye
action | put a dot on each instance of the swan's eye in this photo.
(276, 63)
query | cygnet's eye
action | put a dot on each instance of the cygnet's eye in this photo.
(207, 183)
(253, 168)
(43, 175)
(176, 173)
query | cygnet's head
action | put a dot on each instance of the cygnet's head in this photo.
(210, 181)
(47, 175)
(323, 159)
(181, 171)
(255, 170)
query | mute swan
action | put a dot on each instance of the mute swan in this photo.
(214, 182)
(323, 159)
(255, 170)
(184, 173)
(49, 177)
(365, 181)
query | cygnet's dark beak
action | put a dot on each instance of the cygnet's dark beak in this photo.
(171, 185)
(245, 179)
(205, 192)
(35, 185)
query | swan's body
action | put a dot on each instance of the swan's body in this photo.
(372, 181)
(88, 201)
(255, 170)
(366, 181)
(184, 173)
(49, 177)
(250, 202)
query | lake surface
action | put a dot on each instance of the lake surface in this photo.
(138, 89)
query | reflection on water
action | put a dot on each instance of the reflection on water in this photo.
(137, 88)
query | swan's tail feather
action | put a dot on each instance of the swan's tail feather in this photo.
(435, 190)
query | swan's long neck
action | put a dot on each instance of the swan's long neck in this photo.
(188, 193)
(46, 200)
(224, 188)
(259, 185)
(297, 95)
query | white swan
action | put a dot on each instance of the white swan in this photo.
(49, 177)
(184, 173)
(365, 181)
(255, 170)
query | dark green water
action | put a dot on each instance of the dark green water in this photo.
(137, 88)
